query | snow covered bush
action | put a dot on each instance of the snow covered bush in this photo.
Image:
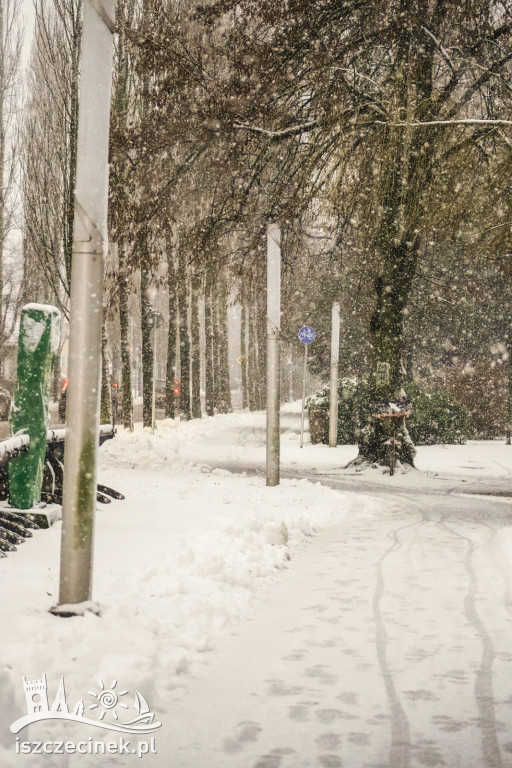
(436, 418)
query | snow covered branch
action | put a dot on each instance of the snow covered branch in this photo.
(462, 121)
(293, 130)
(442, 50)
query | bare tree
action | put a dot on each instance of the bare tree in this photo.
(50, 134)
(10, 93)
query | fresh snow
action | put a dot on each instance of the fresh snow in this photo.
(286, 627)
(34, 329)
(176, 563)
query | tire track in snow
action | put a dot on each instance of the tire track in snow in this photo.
(504, 569)
(484, 688)
(400, 749)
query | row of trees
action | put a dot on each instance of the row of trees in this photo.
(343, 121)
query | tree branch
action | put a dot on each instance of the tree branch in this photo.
(461, 121)
(442, 50)
(293, 130)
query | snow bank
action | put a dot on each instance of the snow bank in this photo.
(236, 439)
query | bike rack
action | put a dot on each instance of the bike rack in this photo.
(16, 525)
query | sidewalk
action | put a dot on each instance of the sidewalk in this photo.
(386, 643)
(287, 627)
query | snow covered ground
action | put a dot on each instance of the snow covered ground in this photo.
(276, 627)
(175, 564)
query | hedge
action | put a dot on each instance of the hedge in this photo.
(436, 417)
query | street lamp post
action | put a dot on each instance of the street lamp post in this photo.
(89, 250)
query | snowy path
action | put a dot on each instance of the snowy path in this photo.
(387, 643)
(383, 641)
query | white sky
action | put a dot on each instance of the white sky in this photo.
(27, 20)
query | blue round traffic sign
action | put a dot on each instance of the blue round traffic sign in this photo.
(307, 334)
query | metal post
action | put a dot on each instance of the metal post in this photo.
(89, 249)
(335, 353)
(273, 367)
(304, 376)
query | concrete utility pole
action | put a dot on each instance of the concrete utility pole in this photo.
(335, 354)
(89, 250)
(273, 367)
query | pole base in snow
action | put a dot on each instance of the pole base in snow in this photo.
(66, 610)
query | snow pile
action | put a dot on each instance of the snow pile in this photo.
(234, 439)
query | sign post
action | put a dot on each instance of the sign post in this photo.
(306, 335)
(390, 414)
(89, 250)
(335, 353)
(273, 332)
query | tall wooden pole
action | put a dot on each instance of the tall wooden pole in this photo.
(89, 249)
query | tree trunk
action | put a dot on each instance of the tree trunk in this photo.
(261, 322)
(387, 339)
(250, 358)
(287, 391)
(171, 374)
(210, 350)
(405, 174)
(56, 377)
(216, 351)
(184, 339)
(105, 409)
(194, 349)
(2, 160)
(254, 353)
(222, 358)
(124, 323)
(243, 355)
(69, 212)
(146, 329)
(509, 388)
